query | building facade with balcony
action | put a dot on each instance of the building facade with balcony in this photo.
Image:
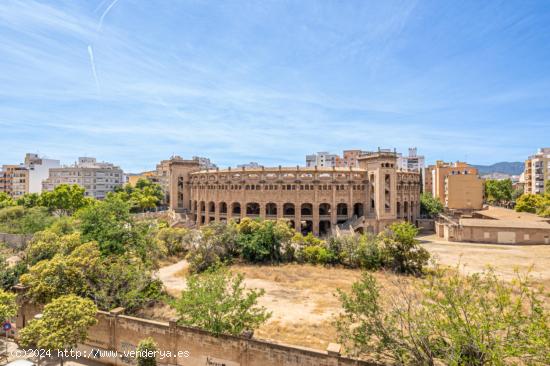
(98, 179)
(537, 172)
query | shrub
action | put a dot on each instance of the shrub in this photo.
(369, 255)
(529, 203)
(218, 301)
(449, 319)
(401, 251)
(176, 241)
(205, 253)
(20, 220)
(317, 254)
(146, 351)
(46, 244)
(262, 241)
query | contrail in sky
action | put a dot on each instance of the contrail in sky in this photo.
(92, 63)
(105, 14)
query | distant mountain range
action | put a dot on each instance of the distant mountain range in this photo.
(510, 168)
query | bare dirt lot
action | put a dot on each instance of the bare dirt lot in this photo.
(504, 259)
(302, 297)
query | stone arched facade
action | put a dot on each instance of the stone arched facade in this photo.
(312, 199)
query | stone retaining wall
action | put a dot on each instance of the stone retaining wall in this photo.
(15, 241)
(189, 346)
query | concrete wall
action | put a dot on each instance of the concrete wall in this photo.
(15, 241)
(115, 331)
(464, 191)
(426, 224)
(492, 235)
(504, 235)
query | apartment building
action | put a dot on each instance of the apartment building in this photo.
(411, 163)
(350, 158)
(204, 163)
(463, 192)
(454, 193)
(537, 171)
(39, 170)
(322, 159)
(19, 179)
(14, 180)
(98, 179)
(250, 165)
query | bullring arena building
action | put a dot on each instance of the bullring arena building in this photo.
(319, 200)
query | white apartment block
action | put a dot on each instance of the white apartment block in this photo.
(97, 179)
(39, 171)
(411, 163)
(322, 159)
(537, 171)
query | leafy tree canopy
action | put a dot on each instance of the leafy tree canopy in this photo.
(65, 199)
(6, 200)
(449, 319)
(498, 191)
(63, 325)
(529, 203)
(217, 301)
(401, 249)
(430, 205)
(8, 306)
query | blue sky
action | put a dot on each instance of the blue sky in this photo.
(133, 82)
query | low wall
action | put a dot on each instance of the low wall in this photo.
(15, 241)
(189, 346)
(426, 224)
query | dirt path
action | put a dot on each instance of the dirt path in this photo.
(172, 278)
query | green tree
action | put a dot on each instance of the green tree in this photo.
(217, 301)
(20, 220)
(262, 241)
(8, 305)
(544, 207)
(175, 240)
(46, 244)
(6, 200)
(529, 203)
(65, 199)
(146, 351)
(10, 274)
(122, 281)
(64, 324)
(448, 319)
(145, 195)
(401, 251)
(498, 191)
(64, 274)
(29, 200)
(110, 224)
(430, 205)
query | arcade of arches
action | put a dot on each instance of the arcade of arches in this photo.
(312, 199)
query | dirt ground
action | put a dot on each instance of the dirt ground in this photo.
(302, 297)
(504, 259)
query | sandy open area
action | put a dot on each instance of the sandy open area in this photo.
(301, 297)
(505, 259)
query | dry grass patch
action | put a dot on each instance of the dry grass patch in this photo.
(302, 299)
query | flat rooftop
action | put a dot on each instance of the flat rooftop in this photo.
(499, 213)
(515, 224)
